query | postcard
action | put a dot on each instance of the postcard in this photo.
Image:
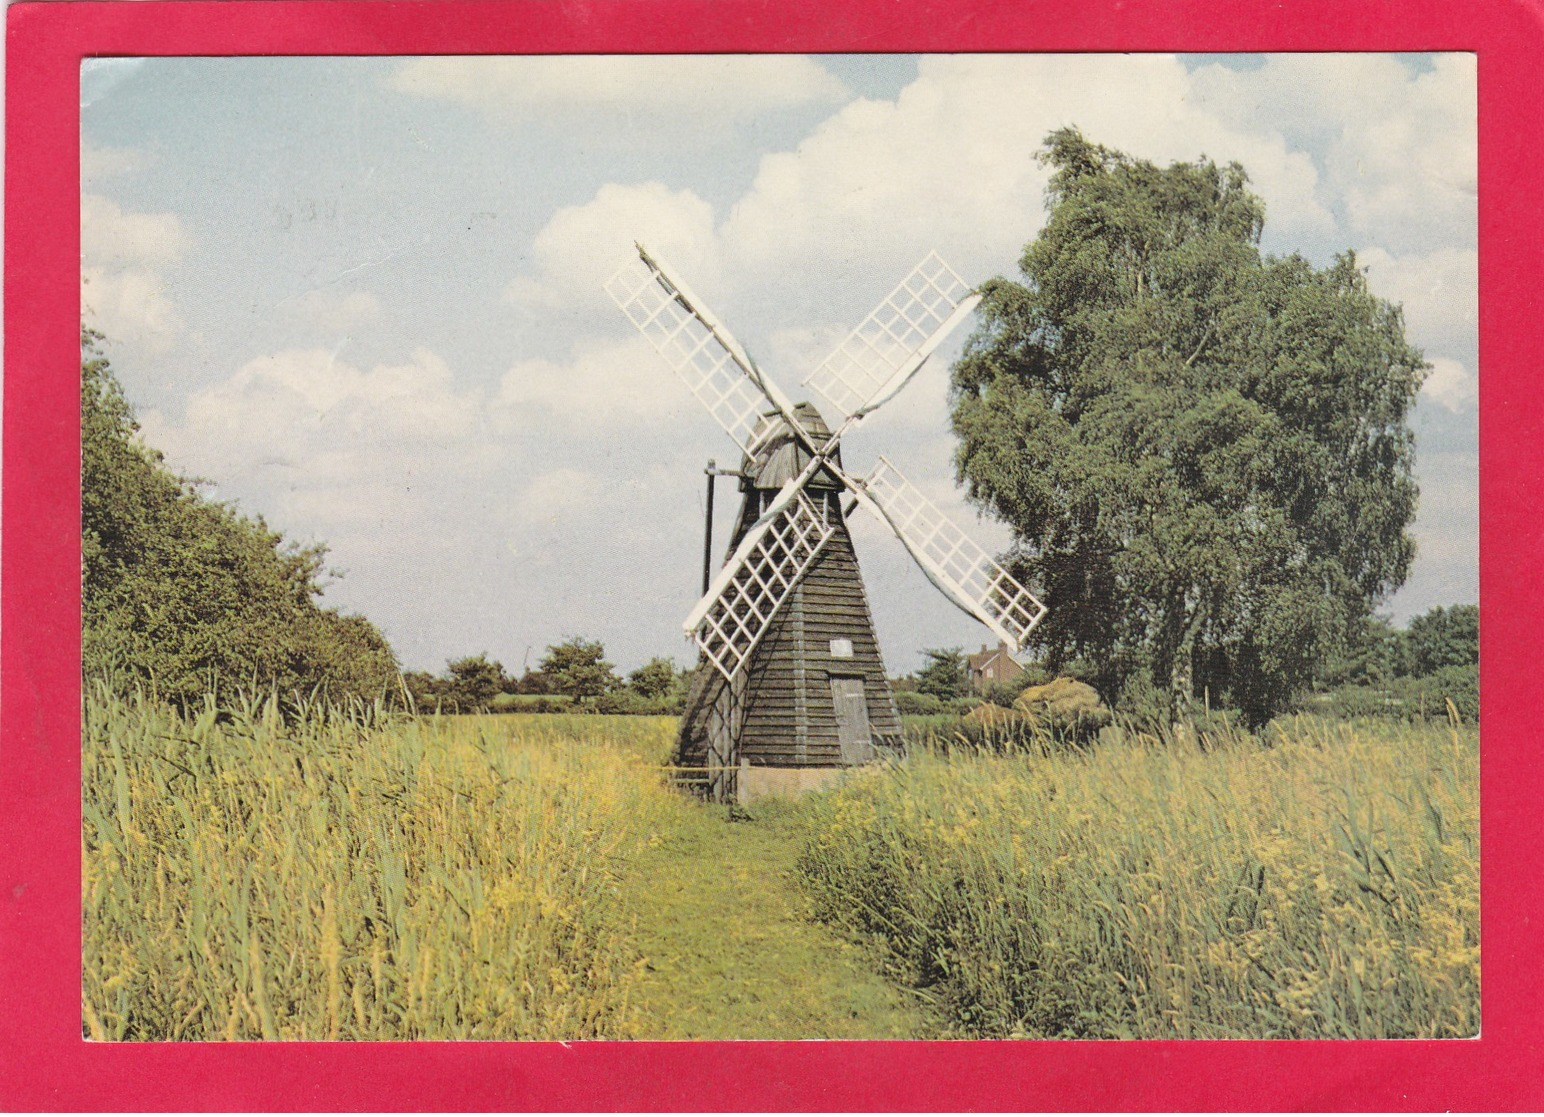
(630, 559)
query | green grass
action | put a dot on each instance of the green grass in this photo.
(731, 949)
(440, 878)
(412, 879)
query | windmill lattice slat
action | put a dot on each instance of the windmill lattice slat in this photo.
(895, 332)
(759, 582)
(956, 562)
(691, 348)
(793, 677)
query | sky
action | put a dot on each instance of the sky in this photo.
(362, 297)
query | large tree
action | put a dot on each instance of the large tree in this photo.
(1203, 451)
(475, 680)
(655, 680)
(1444, 638)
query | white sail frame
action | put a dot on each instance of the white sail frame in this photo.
(697, 346)
(877, 358)
(952, 560)
(771, 560)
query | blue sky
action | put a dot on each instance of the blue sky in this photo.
(363, 296)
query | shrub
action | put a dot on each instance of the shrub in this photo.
(531, 704)
(1424, 698)
(1005, 694)
(182, 595)
(1066, 709)
(630, 702)
(915, 703)
(1427, 696)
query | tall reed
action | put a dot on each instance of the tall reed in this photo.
(324, 876)
(1327, 886)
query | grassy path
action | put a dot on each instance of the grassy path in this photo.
(731, 952)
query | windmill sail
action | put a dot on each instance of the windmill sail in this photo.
(874, 361)
(699, 349)
(955, 563)
(740, 604)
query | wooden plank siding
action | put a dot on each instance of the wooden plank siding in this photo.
(789, 717)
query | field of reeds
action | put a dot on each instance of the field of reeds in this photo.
(313, 873)
(359, 876)
(1324, 883)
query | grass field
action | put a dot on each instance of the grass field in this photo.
(248, 877)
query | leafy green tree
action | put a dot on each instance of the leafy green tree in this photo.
(655, 680)
(183, 595)
(533, 682)
(426, 689)
(475, 681)
(577, 667)
(1374, 653)
(1444, 637)
(945, 676)
(1203, 452)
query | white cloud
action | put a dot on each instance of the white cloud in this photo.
(1399, 148)
(1446, 535)
(1451, 384)
(559, 494)
(684, 98)
(1413, 164)
(123, 291)
(603, 389)
(826, 229)
(950, 163)
(828, 226)
(1439, 291)
(581, 246)
(113, 238)
(322, 438)
(98, 162)
(129, 306)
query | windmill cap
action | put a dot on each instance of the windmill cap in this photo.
(781, 457)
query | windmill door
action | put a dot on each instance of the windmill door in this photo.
(852, 723)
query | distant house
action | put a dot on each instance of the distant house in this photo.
(991, 665)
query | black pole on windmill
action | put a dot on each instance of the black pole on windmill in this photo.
(707, 531)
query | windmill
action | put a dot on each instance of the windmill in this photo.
(791, 684)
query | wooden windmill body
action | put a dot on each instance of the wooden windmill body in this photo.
(791, 686)
(813, 696)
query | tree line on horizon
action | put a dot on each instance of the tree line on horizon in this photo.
(1383, 669)
(574, 671)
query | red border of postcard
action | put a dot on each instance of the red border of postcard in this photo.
(43, 1061)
